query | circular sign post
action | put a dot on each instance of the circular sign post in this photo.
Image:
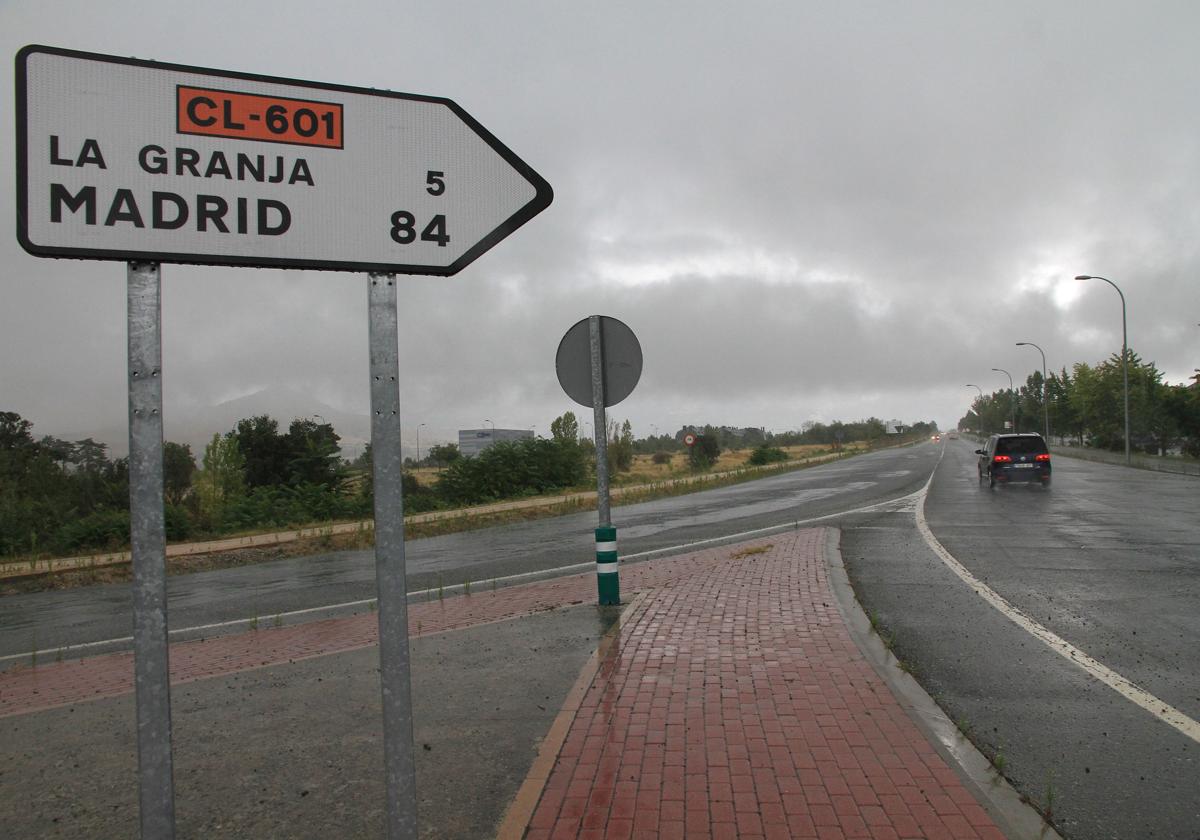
(599, 362)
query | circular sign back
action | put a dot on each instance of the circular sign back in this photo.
(622, 361)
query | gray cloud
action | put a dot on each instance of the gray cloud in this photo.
(804, 211)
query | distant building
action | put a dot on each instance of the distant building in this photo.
(474, 441)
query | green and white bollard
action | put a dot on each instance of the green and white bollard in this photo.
(607, 579)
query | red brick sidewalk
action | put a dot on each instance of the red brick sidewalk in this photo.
(736, 705)
(733, 703)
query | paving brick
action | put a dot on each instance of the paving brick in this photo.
(733, 703)
(763, 756)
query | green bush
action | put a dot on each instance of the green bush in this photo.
(102, 529)
(178, 522)
(767, 455)
(704, 452)
(418, 498)
(510, 469)
(285, 505)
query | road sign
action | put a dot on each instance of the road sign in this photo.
(599, 362)
(122, 159)
(689, 439)
(621, 368)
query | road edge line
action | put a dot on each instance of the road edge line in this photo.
(1131, 691)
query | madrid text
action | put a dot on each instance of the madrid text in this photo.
(166, 210)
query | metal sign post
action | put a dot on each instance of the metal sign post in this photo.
(608, 581)
(600, 422)
(387, 461)
(147, 534)
(599, 362)
(145, 162)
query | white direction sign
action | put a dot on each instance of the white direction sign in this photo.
(123, 159)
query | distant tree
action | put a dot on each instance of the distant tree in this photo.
(444, 454)
(90, 456)
(363, 462)
(704, 452)
(178, 466)
(91, 462)
(264, 451)
(1183, 403)
(620, 447)
(313, 453)
(221, 480)
(565, 428)
(1063, 420)
(60, 451)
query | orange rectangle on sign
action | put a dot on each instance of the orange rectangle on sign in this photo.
(249, 116)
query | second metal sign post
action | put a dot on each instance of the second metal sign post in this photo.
(599, 362)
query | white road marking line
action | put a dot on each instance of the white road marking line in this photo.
(1165, 712)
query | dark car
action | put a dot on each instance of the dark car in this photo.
(1013, 458)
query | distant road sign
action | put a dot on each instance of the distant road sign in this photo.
(622, 361)
(122, 159)
(689, 439)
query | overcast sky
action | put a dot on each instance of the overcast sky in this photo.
(805, 211)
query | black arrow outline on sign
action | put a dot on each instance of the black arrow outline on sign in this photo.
(543, 194)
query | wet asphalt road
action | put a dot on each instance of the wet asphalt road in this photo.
(295, 750)
(51, 620)
(1108, 559)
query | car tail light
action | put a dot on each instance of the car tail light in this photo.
(1044, 457)
(1002, 459)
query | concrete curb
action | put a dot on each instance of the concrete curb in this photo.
(1015, 818)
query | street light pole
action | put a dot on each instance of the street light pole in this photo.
(977, 415)
(419, 425)
(1045, 402)
(1012, 391)
(1124, 356)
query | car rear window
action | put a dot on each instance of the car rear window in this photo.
(1020, 446)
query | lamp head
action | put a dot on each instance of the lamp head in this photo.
(1084, 277)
